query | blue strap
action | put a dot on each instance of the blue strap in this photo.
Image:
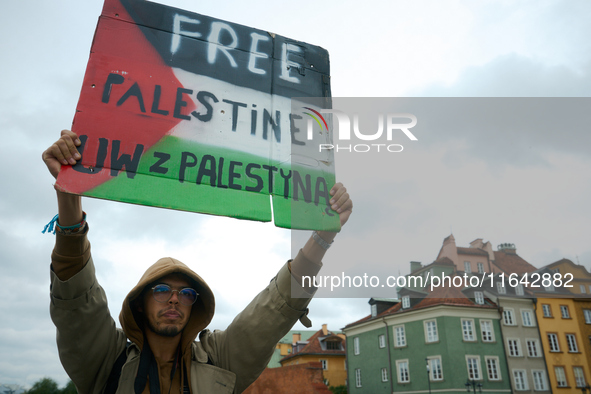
(50, 226)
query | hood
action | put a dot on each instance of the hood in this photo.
(201, 312)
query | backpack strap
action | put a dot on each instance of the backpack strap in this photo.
(113, 381)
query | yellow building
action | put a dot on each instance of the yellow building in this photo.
(325, 347)
(287, 344)
(577, 276)
(565, 348)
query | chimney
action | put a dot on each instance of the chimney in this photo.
(507, 248)
(477, 243)
(296, 337)
(324, 330)
(415, 265)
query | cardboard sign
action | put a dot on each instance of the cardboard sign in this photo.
(183, 111)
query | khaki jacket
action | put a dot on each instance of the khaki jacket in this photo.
(89, 342)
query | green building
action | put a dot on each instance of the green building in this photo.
(438, 341)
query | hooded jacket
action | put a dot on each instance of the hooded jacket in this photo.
(220, 362)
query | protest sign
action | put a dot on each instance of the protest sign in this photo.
(184, 111)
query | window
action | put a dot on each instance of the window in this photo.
(527, 317)
(400, 336)
(579, 376)
(333, 345)
(519, 290)
(540, 382)
(486, 329)
(533, 348)
(508, 317)
(358, 377)
(473, 365)
(560, 377)
(431, 331)
(589, 288)
(384, 375)
(583, 289)
(382, 341)
(468, 329)
(520, 379)
(405, 302)
(435, 370)
(514, 346)
(564, 312)
(571, 340)
(467, 268)
(553, 342)
(479, 297)
(356, 346)
(549, 288)
(374, 310)
(492, 368)
(403, 372)
(501, 289)
(480, 268)
(324, 364)
(547, 310)
(587, 313)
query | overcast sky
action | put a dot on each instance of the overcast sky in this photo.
(530, 188)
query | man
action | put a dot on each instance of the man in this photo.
(165, 312)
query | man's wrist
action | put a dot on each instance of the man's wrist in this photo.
(324, 242)
(327, 236)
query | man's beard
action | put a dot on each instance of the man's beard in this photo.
(169, 331)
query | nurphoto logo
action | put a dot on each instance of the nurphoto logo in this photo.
(392, 125)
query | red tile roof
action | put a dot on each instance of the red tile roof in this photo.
(511, 263)
(443, 261)
(314, 346)
(472, 251)
(439, 296)
(446, 296)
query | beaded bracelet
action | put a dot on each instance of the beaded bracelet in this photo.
(64, 230)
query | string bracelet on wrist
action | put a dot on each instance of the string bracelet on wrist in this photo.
(64, 230)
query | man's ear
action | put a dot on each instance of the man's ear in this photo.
(138, 304)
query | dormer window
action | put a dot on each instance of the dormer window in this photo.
(406, 302)
(333, 345)
(374, 310)
(479, 297)
(332, 342)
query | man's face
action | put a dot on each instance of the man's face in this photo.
(167, 318)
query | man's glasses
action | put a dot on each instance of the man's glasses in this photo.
(163, 293)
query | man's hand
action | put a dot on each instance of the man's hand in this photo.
(341, 202)
(62, 152)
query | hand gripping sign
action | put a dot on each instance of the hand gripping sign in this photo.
(183, 111)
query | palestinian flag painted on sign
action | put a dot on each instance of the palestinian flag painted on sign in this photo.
(184, 111)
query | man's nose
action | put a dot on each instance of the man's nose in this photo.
(174, 297)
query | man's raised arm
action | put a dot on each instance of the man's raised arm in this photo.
(64, 152)
(320, 241)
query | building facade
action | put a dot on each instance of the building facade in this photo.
(326, 347)
(439, 343)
